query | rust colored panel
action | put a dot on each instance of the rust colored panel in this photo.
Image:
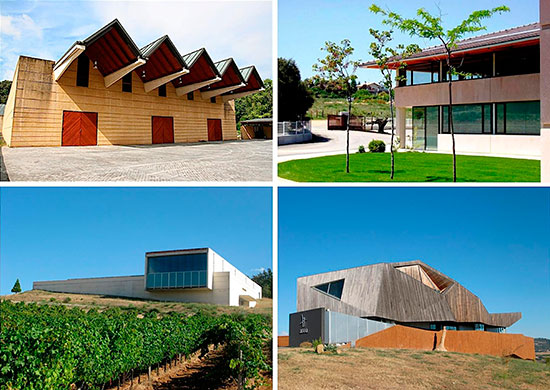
(88, 128)
(282, 341)
(485, 343)
(214, 129)
(71, 128)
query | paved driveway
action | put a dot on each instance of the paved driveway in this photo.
(223, 161)
(330, 142)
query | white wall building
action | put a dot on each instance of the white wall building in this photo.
(190, 275)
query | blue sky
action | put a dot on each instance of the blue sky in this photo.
(495, 242)
(59, 233)
(305, 25)
(46, 29)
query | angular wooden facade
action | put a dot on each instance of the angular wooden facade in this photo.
(409, 293)
(106, 91)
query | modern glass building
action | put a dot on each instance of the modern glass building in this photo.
(188, 275)
(496, 95)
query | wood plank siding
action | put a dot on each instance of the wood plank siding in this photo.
(122, 118)
(407, 292)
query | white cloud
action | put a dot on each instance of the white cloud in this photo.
(20, 26)
(238, 29)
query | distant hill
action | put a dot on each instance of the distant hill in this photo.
(542, 345)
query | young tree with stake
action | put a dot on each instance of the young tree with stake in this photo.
(339, 67)
(430, 27)
(384, 54)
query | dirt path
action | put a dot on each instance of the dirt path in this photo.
(198, 374)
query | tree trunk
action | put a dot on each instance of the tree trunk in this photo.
(392, 135)
(347, 135)
(451, 125)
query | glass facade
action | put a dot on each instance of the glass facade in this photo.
(515, 118)
(518, 118)
(177, 271)
(471, 66)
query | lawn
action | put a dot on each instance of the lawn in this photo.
(410, 167)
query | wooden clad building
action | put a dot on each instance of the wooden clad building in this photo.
(408, 293)
(106, 91)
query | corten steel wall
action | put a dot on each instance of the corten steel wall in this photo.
(491, 90)
(485, 343)
(282, 341)
(123, 118)
(545, 88)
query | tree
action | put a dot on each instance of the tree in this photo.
(16, 287)
(384, 54)
(257, 105)
(4, 91)
(294, 97)
(339, 67)
(430, 27)
(265, 280)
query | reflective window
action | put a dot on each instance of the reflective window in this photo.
(518, 118)
(332, 288)
(177, 271)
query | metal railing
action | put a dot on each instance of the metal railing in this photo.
(293, 128)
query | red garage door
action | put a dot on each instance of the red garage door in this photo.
(163, 130)
(79, 128)
(214, 129)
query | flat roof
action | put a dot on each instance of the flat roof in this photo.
(503, 38)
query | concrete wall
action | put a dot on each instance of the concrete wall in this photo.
(491, 90)
(509, 145)
(485, 343)
(545, 89)
(132, 287)
(7, 123)
(226, 285)
(123, 118)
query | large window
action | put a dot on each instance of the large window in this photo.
(518, 118)
(468, 119)
(332, 288)
(177, 271)
(82, 71)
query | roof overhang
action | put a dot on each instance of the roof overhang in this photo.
(216, 92)
(202, 72)
(64, 62)
(231, 79)
(458, 53)
(164, 63)
(112, 78)
(232, 96)
(193, 87)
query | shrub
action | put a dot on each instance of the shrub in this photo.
(361, 149)
(66, 300)
(317, 342)
(53, 299)
(377, 146)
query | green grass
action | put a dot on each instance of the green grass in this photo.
(410, 167)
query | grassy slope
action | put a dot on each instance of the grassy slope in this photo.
(410, 167)
(87, 301)
(325, 106)
(362, 368)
